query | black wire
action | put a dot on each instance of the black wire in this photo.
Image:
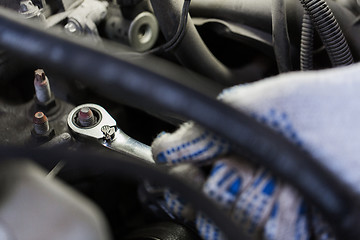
(180, 32)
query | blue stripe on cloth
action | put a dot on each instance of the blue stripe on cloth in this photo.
(235, 187)
(270, 187)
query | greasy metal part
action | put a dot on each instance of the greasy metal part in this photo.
(93, 132)
(85, 117)
(44, 100)
(83, 19)
(140, 33)
(57, 18)
(41, 123)
(42, 86)
(143, 32)
(148, 88)
(41, 132)
(105, 131)
(29, 10)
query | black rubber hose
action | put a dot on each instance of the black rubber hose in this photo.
(252, 13)
(142, 84)
(307, 44)
(280, 35)
(329, 31)
(191, 51)
(257, 14)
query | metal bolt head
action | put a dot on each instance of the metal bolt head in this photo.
(86, 117)
(73, 28)
(23, 8)
(41, 123)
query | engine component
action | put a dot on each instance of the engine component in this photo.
(29, 10)
(42, 87)
(83, 20)
(94, 122)
(329, 31)
(140, 33)
(280, 35)
(240, 36)
(307, 42)
(34, 206)
(42, 131)
(44, 99)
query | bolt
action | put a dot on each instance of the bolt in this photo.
(42, 86)
(86, 117)
(73, 28)
(41, 123)
(23, 8)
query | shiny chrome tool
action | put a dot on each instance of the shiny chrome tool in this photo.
(103, 129)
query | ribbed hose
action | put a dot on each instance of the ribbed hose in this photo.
(329, 31)
(307, 44)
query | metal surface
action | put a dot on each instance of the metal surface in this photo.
(116, 140)
(42, 86)
(124, 144)
(83, 19)
(29, 10)
(143, 32)
(94, 131)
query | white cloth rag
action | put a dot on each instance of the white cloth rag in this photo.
(319, 111)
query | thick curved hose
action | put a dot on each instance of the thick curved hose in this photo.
(253, 13)
(191, 51)
(280, 35)
(146, 88)
(329, 31)
(307, 44)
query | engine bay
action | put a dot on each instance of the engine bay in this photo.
(87, 86)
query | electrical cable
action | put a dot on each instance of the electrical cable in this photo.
(281, 41)
(307, 44)
(142, 85)
(330, 32)
(176, 39)
(191, 51)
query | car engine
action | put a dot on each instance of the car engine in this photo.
(87, 85)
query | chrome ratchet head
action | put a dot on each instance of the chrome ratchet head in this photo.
(91, 121)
